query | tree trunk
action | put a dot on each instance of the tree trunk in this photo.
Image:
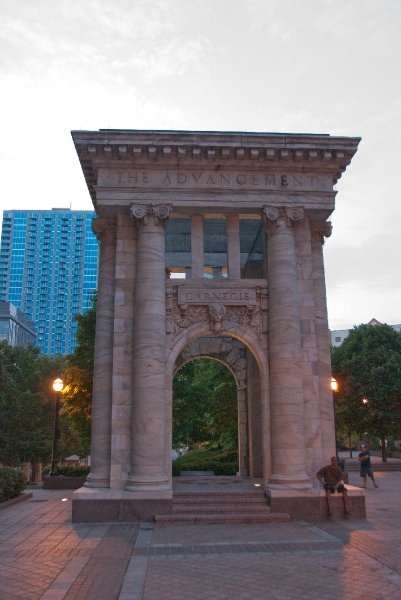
(384, 449)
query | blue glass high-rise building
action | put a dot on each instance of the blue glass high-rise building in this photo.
(48, 269)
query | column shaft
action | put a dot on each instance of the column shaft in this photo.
(197, 246)
(122, 350)
(323, 342)
(233, 243)
(149, 464)
(103, 357)
(287, 427)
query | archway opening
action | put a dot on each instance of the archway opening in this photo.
(205, 418)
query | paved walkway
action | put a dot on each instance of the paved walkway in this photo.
(43, 555)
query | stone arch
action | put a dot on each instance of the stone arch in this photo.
(232, 354)
(241, 352)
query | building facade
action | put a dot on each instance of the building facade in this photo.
(48, 270)
(210, 245)
(15, 327)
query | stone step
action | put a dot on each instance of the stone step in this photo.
(221, 518)
(219, 499)
(221, 507)
(193, 507)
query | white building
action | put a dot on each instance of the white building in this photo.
(339, 335)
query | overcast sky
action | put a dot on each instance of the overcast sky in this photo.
(315, 66)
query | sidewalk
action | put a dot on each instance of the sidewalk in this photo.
(43, 555)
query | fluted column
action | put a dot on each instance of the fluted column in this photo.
(286, 395)
(99, 475)
(320, 230)
(149, 464)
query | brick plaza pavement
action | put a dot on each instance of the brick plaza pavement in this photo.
(44, 555)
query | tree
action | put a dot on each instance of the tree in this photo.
(367, 367)
(204, 405)
(26, 403)
(78, 383)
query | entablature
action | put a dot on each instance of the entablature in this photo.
(211, 160)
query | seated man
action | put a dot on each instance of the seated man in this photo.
(331, 478)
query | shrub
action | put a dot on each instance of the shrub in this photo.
(12, 483)
(70, 471)
(222, 462)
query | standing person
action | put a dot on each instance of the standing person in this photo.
(366, 466)
(332, 479)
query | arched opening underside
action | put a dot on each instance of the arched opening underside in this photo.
(205, 418)
(253, 430)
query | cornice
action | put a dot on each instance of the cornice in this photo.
(135, 148)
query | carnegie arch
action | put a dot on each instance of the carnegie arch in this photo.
(207, 234)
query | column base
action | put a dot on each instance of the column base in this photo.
(92, 481)
(143, 483)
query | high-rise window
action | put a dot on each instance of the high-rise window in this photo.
(44, 253)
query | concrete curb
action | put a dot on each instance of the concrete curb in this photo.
(20, 498)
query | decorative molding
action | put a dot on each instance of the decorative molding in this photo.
(143, 213)
(104, 229)
(216, 317)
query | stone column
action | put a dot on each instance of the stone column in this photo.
(320, 230)
(103, 359)
(122, 350)
(197, 247)
(150, 419)
(255, 419)
(287, 427)
(233, 247)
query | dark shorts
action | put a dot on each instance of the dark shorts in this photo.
(330, 487)
(366, 471)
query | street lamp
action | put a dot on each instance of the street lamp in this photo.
(334, 389)
(57, 387)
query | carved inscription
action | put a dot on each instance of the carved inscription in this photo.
(216, 296)
(206, 179)
(246, 307)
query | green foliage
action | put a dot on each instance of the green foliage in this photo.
(367, 366)
(70, 471)
(26, 403)
(204, 405)
(12, 483)
(219, 460)
(78, 378)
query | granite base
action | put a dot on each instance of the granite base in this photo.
(311, 504)
(112, 506)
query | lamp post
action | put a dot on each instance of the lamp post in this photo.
(57, 387)
(334, 388)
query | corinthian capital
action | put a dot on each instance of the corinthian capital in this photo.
(150, 212)
(288, 215)
(321, 230)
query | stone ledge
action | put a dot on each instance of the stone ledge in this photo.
(311, 504)
(20, 498)
(62, 482)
